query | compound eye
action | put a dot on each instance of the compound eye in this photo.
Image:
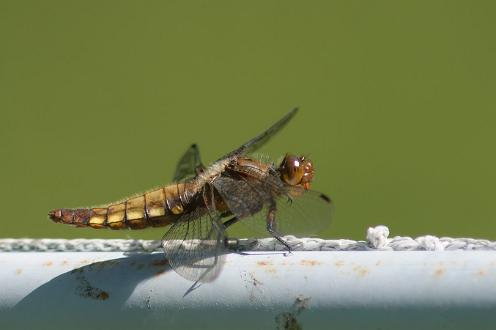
(292, 170)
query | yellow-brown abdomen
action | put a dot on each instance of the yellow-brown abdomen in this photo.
(156, 208)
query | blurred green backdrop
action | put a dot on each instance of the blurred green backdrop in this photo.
(98, 99)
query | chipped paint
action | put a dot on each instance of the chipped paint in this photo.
(289, 320)
(253, 285)
(86, 290)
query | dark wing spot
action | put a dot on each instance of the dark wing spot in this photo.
(326, 198)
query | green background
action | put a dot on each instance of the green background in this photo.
(98, 99)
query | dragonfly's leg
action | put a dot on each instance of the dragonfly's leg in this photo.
(271, 227)
(230, 222)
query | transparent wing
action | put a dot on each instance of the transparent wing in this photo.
(195, 248)
(299, 212)
(187, 165)
(308, 215)
(262, 138)
(304, 213)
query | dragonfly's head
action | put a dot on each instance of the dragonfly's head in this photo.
(296, 171)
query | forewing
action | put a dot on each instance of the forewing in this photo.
(187, 165)
(262, 138)
(195, 248)
(303, 213)
(239, 195)
(299, 212)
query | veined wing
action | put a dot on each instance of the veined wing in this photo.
(304, 213)
(262, 138)
(298, 211)
(188, 164)
(195, 248)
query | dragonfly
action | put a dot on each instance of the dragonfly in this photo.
(204, 202)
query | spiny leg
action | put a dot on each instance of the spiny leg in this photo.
(271, 226)
(230, 222)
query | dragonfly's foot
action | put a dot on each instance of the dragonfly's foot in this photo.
(241, 244)
(280, 240)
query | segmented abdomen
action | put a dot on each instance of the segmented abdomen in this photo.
(155, 208)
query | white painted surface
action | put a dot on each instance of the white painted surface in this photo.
(318, 290)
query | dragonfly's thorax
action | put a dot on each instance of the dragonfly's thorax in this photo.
(251, 167)
(211, 172)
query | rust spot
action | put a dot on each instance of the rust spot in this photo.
(64, 263)
(162, 262)
(305, 262)
(481, 273)
(378, 263)
(361, 271)
(18, 271)
(103, 295)
(86, 290)
(339, 263)
(160, 272)
(272, 270)
(47, 263)
(439, 271)
(268, 266)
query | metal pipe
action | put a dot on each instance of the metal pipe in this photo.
(256, 290)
